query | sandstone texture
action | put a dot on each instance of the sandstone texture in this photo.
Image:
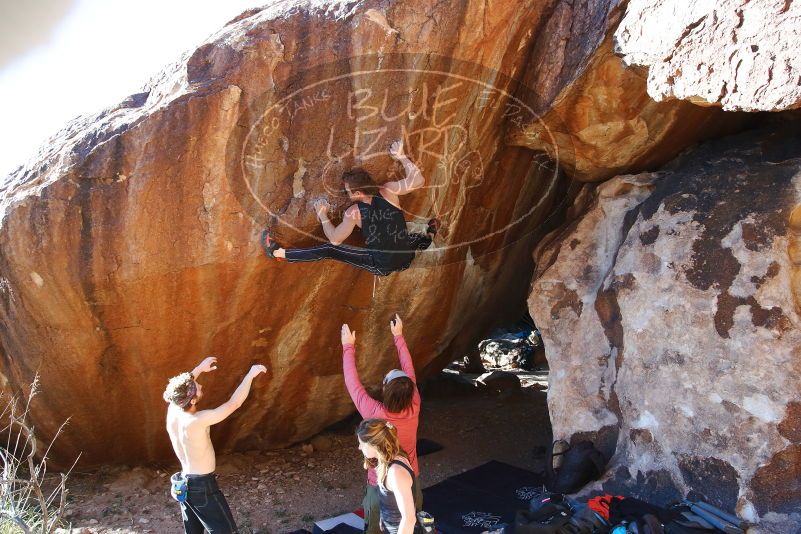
(669, 312)
(129, 248)
(737, 54)
(595, 116)
(668, 301)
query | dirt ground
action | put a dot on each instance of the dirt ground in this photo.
(281, 491)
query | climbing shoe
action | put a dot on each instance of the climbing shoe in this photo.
(433, 227)
(269, 244)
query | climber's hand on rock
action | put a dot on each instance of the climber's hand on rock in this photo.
(256, 370)
(348, 337)
(396, 149)
(321, 208)
(207, 365)
(396, 326)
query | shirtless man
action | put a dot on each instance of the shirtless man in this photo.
(205, 506)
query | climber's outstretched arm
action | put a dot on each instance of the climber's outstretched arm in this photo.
(414, 178)
(337, 234)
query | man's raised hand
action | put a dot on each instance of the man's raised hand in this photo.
(256, 370)
(396, 326)
(348, 337)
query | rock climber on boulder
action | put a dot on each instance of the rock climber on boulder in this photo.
(390, 247)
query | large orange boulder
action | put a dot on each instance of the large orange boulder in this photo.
(130, 247)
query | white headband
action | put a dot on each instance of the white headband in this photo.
(392, 375)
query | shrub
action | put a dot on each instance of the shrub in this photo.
(31, 500)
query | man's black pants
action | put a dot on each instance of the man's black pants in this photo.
(362, 258)
(206, 508)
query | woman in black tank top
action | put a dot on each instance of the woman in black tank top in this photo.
(389, 246)
(378, 441)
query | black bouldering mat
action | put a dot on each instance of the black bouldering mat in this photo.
(481, 498)
(427, 446)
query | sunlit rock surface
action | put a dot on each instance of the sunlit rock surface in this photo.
(129, 248)
(595, 114)
(737, 54)
(669, 312)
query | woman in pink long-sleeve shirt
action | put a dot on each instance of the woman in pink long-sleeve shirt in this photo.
(401, 407)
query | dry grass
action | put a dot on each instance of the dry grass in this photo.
(31, 500)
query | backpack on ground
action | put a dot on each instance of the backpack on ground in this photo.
(587, 521)
(551, 518)
(581, 463)
(555, 514)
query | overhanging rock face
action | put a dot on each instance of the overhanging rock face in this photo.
(670, 315)
(129, 246)
(595, 107)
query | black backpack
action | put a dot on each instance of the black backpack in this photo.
(581, 463)
(548, 518)
(559, 518)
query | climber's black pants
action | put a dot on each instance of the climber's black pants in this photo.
(380, 263)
